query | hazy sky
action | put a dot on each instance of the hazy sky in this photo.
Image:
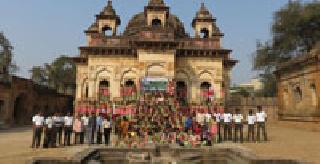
(41, 30)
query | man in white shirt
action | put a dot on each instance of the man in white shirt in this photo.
(251, 121)
(48, 140)
(85, 122)
(261, 119)
(58, 120)
(217, 117)
(227, 126)
(237, 118)
(106, 124)
(68, 122)
(37, 122)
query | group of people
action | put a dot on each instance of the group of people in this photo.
(168, 124)
(234, 124)
(153, 122)
(87, 128)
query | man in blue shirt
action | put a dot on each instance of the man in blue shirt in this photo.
(188, 124)
(99, 127)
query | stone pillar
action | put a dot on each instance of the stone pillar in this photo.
(79, 89)
(115, 87)
(195, 91)
(92, 88)
(217, 89)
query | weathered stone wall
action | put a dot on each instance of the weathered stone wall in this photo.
(269, 105)
(299, 88)
(22, 99)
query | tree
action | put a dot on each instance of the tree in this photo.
(7, 66)
(60, 74)
(295, 30)
(38, 75)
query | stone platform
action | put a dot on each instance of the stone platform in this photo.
(167, 154)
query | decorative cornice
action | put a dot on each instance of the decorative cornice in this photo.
(297, 63)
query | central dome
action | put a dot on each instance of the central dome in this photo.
(138, 22)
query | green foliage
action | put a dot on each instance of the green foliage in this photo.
(7, 66)
(60, 74)
(296, 30)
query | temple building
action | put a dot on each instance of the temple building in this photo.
(298, 82)
(153, 53)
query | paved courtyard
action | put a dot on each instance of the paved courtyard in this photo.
(289, 140)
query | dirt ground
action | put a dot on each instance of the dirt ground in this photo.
(287, 140)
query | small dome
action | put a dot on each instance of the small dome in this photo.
(138, 22)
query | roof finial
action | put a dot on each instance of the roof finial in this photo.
(110, 2)
(156, 3)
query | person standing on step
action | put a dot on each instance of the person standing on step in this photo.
(68, 122)
(261, 123)
(251, 122)
(58, 120)
(106, 124)
(227, 117)
(38, 122)
(49, 132)
(237, 118)
(85, 122)
(99, 127)
(91, 128)
(77, 128)
(217, 115)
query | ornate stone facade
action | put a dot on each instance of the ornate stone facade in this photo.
(153, 45)
(299, 88)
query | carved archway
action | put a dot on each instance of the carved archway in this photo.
(19, 109)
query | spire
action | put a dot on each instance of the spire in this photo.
(109, 10)
(204, 13)
(156, 3)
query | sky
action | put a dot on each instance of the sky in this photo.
(41, 30)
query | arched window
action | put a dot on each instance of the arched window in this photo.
(204, 33)
(87, 91)
(107, 31)
(129, 90)
(181, 92)
(156, 22)
(314, 98)
(104, 93)
(298, 94)
(205, 92)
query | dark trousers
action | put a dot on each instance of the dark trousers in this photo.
(59, 134)
(238, 129)
(92, 135)
(99, 135)
(251, 132)
(261, 125)
(77, 137)
(36, 139)
(227, 131)
(219, 132)
(67, 135)
(82, 137)
(48, 138)
(107, 135)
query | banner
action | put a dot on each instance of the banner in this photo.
(154, 84)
